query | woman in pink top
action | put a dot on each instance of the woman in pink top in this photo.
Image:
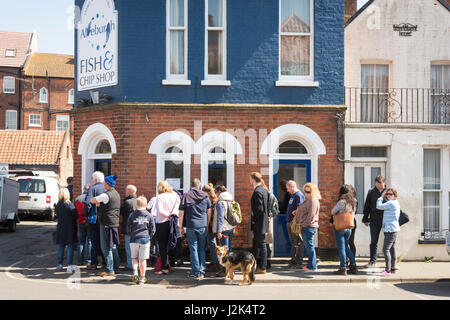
(167, 204)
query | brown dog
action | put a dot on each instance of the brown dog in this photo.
(232, 260)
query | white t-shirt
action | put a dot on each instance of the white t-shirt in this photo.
(103, 198)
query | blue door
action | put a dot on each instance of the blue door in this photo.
(103, 165)
(283, 171)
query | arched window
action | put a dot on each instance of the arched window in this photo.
(103, 147)
(173, 158)
(292, 147)
(43, 95)
(218, 150)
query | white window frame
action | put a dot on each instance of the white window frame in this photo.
(216, 79)
(30, 122)
(14, 51)
(71, 96)
(46, 95)
(297, 81)
(62, 118)
(444, 191)
(176, 79)
(6, 80)
(6, 119)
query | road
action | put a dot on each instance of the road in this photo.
(33, 239)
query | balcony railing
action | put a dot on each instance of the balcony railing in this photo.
(398, 105)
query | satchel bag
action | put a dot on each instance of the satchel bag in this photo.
(403, 218)
(296, 227)
(344, 221)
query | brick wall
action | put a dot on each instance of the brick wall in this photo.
(133, 137)
(58, 99)
(8, 101)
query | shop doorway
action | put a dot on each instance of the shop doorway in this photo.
(283, 171)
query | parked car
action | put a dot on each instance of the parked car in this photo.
(9, 195)
(38, 196)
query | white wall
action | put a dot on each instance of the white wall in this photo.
(370, 38)
(404, 171)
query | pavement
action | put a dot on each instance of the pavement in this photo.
(44, 268)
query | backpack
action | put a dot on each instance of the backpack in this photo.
(80, 210)
(234, 216)
(273, 205)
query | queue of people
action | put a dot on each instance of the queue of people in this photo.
(92, 225)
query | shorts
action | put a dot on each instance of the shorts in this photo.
(140, 251)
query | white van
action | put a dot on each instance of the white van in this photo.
(38, 196)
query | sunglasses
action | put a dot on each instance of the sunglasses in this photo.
(389, 194)
(307, 191)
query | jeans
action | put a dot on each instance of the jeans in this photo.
(61, 248)
(167, 256)
(128, 251)
(93, 231)
(375, 229)
(111, 254)
(342, 241)
(296, 246)
(84, 244)
(389, 250)
(308, 240)
(227, 242)
(197, 242)
(211, 238)
(260, 250)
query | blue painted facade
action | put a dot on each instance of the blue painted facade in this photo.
(252, 55)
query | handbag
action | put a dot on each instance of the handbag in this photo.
(344, 221)
(403, 218)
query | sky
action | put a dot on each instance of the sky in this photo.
(52, 19)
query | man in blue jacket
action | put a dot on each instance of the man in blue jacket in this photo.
(95, 190)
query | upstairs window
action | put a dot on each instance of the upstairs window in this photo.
(62, 123)
(9, 85)
(43, 95)
(296, 40)
(11, 120)
(71, 97)
(176, 42)
(215, 42)
(34, 120)
(10, 53)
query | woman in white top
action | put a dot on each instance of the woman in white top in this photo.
(167, 204)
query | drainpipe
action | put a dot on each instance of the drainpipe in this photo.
(19, 105)
(340, 125)
(49, 117)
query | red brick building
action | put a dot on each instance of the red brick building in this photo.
(47, 92)
(14, 50)
(139, 135)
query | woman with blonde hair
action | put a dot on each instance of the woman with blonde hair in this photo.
(307, 215)
(166, 205)
(66, 229)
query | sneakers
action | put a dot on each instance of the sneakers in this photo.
(194, 277)
(59, 267)
(142, 280)
(135, 279)
(393, 271)
(353, 269)
(370, 265)
(385, 273)
(341, 272)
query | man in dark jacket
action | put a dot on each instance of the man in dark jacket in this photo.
(108, 218)
(259, 220)
(91, 211)
(374, 218)
(127, 207)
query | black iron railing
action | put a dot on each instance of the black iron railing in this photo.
(398, 105)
